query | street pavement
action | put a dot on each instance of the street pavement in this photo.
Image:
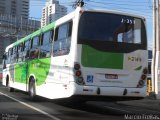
(147, 103)
(24, 109)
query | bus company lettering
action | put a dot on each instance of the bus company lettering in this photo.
(134, 59)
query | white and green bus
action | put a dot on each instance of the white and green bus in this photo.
(87, 53)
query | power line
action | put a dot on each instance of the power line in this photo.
(120, 8)
(129, 1)
(115, 3)
(118, 4)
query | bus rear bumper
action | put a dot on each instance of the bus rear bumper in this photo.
(107, 91)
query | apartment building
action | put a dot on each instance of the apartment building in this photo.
(15, 7)
(52, 11)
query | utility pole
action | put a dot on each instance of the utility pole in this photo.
(156, 50)
(157, 88)
(154, 45)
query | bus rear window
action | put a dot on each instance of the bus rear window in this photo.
(96, 26)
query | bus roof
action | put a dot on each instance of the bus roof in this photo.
(117, 12)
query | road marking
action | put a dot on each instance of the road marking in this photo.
(32, 107)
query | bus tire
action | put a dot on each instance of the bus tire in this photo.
(10, 89)
(32, 89)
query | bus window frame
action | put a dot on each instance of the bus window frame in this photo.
(34, 50)
(69, 24)
(49, 43)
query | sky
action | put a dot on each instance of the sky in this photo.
(139, 7)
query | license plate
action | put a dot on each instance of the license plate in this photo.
(111, 76)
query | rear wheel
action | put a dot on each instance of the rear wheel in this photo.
(32, 89)
(10, 89)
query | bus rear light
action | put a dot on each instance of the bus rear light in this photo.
(143, 77)
(80, 80)
(77, 66)
(145, 71)
(141, 82)
(78, 73)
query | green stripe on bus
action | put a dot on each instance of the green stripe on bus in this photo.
(99, 59)
(39, 68)
(48, 27)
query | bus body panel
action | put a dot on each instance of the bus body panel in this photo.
(112, 69)
(105, 71)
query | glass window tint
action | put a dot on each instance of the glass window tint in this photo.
(34, 51)
(35, 42)
(9, 55)
(63, 40)
(45, 49)
(63, 31)
(14, 55)
(46, 38)
(20, 52)
(10, 51)
(20, 47)
(26, 50)
(26, 45)
(114, 33)
(113, 27)
(15, 50)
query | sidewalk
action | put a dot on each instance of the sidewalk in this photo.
(147, 103)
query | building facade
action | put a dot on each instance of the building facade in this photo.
(52, 11)
(15, 7)
(14, 22)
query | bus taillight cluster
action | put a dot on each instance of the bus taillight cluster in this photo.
(78, 74)
(142, 80)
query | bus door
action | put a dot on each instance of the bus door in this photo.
(4, 66)
(21, 66)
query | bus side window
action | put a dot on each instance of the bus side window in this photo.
(9, 55)
(20, 52)
(34, 52)
(62, 40)
(45, 49)
(5, 60)
(26, 47)
(14, 56)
